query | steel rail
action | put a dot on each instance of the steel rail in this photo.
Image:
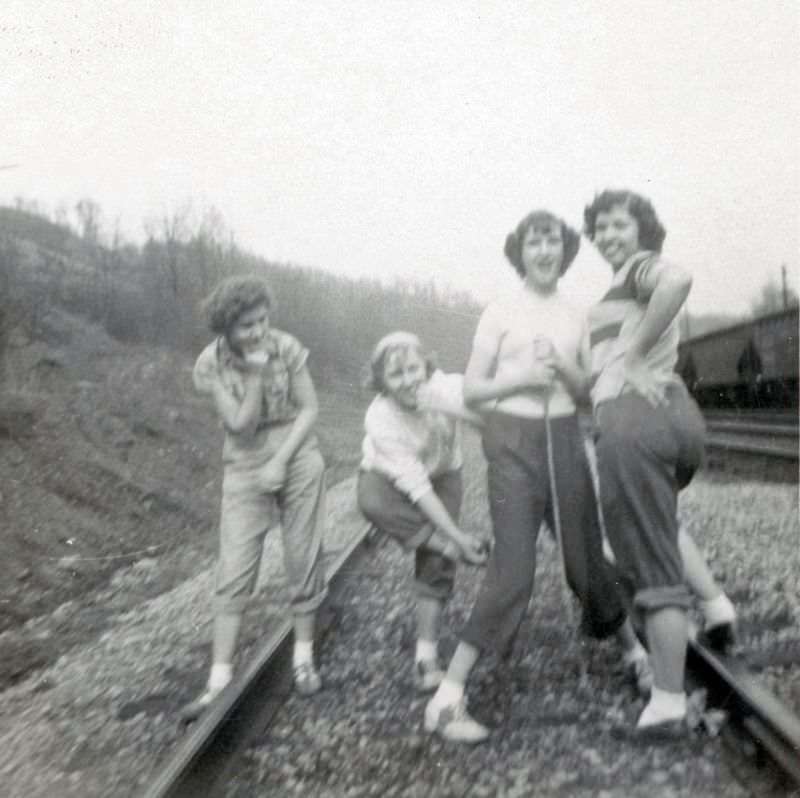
(777, 452)
(202, 762)
(773, 728)
(777, 437)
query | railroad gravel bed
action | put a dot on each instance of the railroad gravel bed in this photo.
(97, 721)
(553, 707)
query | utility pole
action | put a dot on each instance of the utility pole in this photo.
(783, 286)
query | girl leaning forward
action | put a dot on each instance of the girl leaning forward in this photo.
(273, 472)
(530, 358)
(409, 482)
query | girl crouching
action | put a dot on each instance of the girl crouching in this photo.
(409, 483)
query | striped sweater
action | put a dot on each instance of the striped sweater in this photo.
(614, 320)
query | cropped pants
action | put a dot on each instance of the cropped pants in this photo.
(520, 498)
(645, 455)
(249, 510)
(395, 514)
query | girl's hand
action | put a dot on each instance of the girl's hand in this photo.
(473, 550)
(541, 374)
(542, 363)
(638, 376)
(273, 475)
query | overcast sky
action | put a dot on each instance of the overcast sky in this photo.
(407, 138)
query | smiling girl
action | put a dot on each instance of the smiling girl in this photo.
(650, 437)
(273, 472)
(409, 483)
(529, 358)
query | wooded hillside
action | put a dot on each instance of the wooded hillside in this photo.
(151, 294)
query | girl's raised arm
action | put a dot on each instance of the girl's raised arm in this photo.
(239, 416)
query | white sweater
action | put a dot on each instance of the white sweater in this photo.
(412, 446)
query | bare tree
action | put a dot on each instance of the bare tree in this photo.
(9, 260)
(772, 298)
(89, 215)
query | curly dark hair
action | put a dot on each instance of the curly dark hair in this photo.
(232, 297)
(651, 232)
(540, 220)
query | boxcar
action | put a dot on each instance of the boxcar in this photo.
(748, 365)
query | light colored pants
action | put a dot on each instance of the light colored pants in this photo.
(248, 511)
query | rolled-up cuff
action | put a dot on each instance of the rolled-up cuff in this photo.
(308, 606)
(659, 598)
(414, 489)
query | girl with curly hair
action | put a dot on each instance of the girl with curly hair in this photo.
(273, 472)
(529, 359)
(650, 440)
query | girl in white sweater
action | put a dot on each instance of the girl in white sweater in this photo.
(409, 483)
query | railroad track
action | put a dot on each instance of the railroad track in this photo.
(756, 445)
(203, 763)
(780, 417)
(766, 727)
(776, 438)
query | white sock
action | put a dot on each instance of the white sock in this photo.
(303, 652)
(663, 706)
(426, 651)
(221, 674)
(448, 693)
(636, 653)
(718, 610)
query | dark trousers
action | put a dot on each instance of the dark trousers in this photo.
(520, 498)
(395, 514)
(645, 456)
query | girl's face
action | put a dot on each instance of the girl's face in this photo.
(542, 254)
(403, 373)
(249, 331)
(616, 234)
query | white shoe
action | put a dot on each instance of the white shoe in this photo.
(307, 680)
(454, 723)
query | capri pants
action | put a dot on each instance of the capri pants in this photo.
(645, 456)
(394, 513)
(248, 511)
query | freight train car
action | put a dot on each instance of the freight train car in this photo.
(749, 365)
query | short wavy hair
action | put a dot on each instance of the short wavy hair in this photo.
(399, 340)
(651, 232)
(232, 297)
(540, 220)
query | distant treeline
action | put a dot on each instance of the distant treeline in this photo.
(152, 293)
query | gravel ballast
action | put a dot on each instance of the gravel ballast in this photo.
(97, 721)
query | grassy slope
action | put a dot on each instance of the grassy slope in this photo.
(107, 456)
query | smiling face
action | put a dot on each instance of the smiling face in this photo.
(542, 253)
(616, 234)
(248, 333)
(404, 372)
